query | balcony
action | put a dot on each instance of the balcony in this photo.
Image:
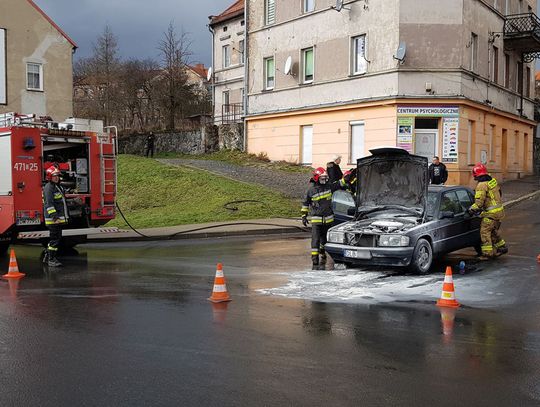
(522, 34)
(231, 113)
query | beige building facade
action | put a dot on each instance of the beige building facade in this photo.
(35, 62)
(437, 77)
(228, 71)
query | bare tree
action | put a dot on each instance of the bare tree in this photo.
(175, 51)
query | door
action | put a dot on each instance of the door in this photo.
(343, 206)
(453, 228)
(425, 142)
(306, 145)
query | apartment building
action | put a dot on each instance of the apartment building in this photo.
(452, 78)
(228, 42)
(35, 62)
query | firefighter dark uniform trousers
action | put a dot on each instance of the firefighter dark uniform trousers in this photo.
(56, 214)
(488, 202)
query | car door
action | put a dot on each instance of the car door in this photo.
(466, 199)
(453, 226)
(342, 204)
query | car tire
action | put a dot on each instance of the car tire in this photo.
(422, 258)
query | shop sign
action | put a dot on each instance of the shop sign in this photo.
(405, 133)
(431, 111)
(450, 139)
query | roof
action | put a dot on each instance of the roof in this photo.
(200, 70)
(235, 10)
(537, 76)
(52, 23)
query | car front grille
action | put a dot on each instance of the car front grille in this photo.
(360, 240)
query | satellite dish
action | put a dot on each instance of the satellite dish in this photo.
(401, 52)
(339, 5)
(209, 74)
(288, 65)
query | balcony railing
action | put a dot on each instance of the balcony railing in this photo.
(231, 113)
(522, 34)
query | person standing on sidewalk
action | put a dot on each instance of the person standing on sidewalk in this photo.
(488, 204)
(334, 170)
(437, 172)
(150, 145)
(56, 214)
(318, 205)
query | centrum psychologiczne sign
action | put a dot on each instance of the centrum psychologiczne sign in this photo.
(3, 92)
(431, 111)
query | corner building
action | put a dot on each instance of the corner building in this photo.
(452, 78)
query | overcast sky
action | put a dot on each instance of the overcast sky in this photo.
(138, 24)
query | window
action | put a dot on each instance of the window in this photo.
(465, 199)
(474, 52)
(357, 142)
(528, 82)
(516, 147)
(519, 77)
(309, 6)
(451, 203)
(507, 70)
(359, 55)
(225, 28)
(495, 64)
(470, 143)
(34, 76)
(226, 55)
(269, 73)
(491, 142)
(243, 23)
(306, 145)
(307, 65)
(241, 51)
(270, 12)
(225, 99)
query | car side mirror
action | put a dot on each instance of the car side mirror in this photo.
(447, 215)
(351, 211)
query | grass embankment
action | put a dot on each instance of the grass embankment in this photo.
(151, 194)
(244, 159)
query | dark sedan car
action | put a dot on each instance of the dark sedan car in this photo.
(397, 220)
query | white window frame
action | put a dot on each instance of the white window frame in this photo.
(491, 140)
(226, 100)
(40, 73)
(474, 52)
(352, 160)
(267, 86)
(226, 56)
(303, 157)
(355, 56)
(269, 12)
(306, 6)
(304, 53)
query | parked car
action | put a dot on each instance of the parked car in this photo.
(397, 219)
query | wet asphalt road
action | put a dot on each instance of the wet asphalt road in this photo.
(129, 325)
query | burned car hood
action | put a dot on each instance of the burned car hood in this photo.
(392, 176)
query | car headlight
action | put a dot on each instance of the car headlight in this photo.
(336, 237)
(393, 240)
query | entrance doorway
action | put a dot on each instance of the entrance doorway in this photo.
(426, 140)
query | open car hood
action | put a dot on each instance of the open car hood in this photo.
(392, 176)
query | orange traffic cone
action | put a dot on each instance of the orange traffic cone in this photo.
(219, 293)
(448, 298)
(13, 271)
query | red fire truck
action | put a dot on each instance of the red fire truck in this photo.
(85, 153)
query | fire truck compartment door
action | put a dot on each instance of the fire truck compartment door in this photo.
(5, 164)
(69, 232)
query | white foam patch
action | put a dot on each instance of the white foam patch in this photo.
(355, 285)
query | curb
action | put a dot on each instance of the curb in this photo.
(521, 199)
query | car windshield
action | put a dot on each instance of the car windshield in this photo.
(431, 202)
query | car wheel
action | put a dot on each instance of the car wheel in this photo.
(422, 257)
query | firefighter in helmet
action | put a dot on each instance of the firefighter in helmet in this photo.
(488, 204)
(55, 212)
(318, 205)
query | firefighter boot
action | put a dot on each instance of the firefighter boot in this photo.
(315, 262)
(323, 260)
(53, 261)
(502, 250)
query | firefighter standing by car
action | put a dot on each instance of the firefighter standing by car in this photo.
(318, 205)
(55, 212)
(488, 204)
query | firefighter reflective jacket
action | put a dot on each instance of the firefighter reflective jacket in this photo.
(318, 203)
(487, 199)
(54, 204)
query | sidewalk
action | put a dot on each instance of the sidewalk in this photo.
(514, 192)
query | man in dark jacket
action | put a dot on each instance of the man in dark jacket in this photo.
(437, 172)
(318, 205)
(55, 212)
(150, 145)
(334, 170)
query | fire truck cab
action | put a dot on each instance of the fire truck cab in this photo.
(85, 153)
